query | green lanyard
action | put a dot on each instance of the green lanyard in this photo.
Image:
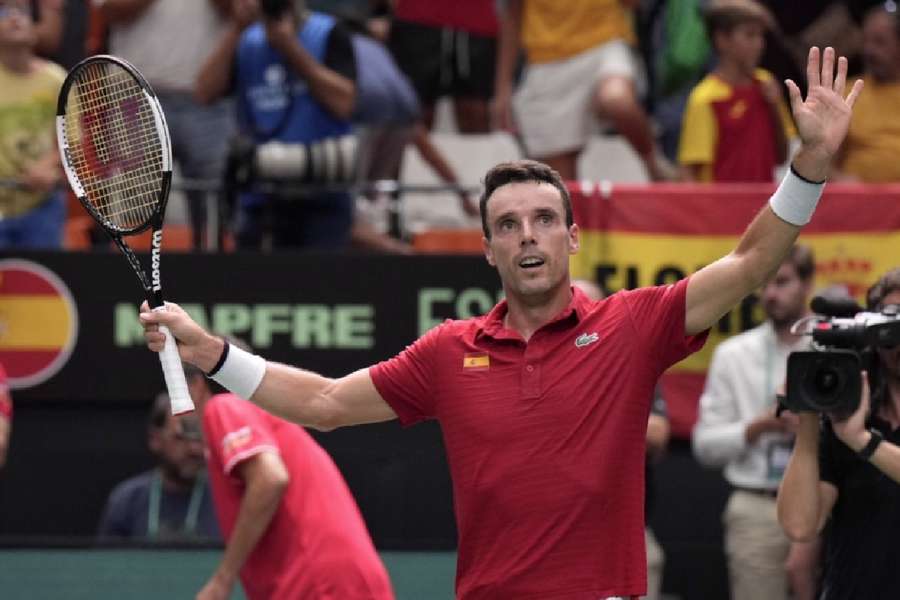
(193, 512)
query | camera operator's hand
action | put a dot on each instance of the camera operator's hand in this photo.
(852, 430)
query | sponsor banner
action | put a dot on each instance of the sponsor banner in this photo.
(634, 236)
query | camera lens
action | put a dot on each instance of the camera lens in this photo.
(826, 381)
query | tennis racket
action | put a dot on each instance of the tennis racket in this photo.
(115, 149)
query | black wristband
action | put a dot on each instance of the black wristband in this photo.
(794, 171)
(876, 439)
(221, 360)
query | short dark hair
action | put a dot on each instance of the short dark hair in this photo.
(803, 260)
(522, 171)
(889, 282)
(724, 15)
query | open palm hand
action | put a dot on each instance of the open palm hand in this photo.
(824, 116)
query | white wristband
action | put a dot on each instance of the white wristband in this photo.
(795, 199)
(241, 372)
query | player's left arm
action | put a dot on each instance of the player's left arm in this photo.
(265, 478)
(822, 122)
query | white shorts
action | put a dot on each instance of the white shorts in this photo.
(554, 103)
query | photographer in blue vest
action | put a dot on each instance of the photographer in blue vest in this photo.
(293, 73)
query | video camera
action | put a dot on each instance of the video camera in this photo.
(845, 339)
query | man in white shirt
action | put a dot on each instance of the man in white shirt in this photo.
(738, 429)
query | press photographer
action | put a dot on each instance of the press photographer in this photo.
(294, 75)
(847, 468)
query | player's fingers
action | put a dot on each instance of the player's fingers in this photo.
(854, 92)
(155, 339)
(794, 94)
(841, 80)
(158, 317)
(145, 306)
(812, 67)
(828, 68)
(173, 307)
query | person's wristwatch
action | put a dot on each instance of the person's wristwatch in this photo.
(869, 449)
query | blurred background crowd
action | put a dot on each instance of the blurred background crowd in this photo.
(276, 153)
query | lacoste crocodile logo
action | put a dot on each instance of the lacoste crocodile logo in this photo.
(586, 339)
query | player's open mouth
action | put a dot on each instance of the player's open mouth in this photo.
(531, 262)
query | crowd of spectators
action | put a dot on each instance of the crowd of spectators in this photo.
(243, 81)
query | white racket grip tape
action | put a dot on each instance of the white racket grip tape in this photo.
(173, 371)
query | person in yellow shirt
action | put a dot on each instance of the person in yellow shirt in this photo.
(872, 146)
(580, 66)
(32, 207)
(736, 126)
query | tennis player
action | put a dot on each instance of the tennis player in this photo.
(291, 526)
(543, 402)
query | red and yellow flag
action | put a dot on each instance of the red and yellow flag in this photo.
(38, 322)
(636, 235)
(476, 361)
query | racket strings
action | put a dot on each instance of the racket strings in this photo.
(114, 145)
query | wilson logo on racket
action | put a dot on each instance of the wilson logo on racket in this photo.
(115, 158)
(156, 243)
(38, 323)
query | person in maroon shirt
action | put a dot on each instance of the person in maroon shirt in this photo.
(543, 403)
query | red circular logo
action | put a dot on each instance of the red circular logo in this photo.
(38, 322)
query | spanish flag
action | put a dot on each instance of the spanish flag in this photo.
(37, 322)
(476, 361)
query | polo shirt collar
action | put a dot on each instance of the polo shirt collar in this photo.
(492, 323)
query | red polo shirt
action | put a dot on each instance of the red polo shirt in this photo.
(545, 439)
(317, 546)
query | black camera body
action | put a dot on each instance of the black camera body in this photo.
(828, 379)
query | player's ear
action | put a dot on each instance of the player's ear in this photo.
(573, 239)
(488, 253)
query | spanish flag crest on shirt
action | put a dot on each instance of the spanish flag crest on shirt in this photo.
(476, 360)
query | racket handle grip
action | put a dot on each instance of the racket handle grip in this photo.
(179, 397)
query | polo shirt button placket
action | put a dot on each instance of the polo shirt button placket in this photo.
(531, 381)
